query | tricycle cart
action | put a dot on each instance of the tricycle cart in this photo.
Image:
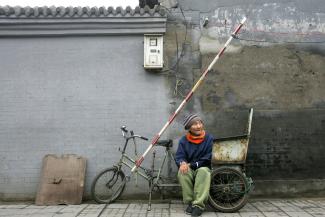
(229, 184)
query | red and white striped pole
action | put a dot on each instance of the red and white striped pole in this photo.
(189, 95)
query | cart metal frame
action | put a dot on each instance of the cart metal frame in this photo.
(229, 184)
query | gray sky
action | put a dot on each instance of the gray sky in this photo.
(106, 3)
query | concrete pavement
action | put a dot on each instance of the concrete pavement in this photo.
(255, 208)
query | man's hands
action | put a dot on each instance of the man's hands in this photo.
(184, 167)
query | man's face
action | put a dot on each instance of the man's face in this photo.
(196, 128)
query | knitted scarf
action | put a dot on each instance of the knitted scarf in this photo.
(195, 139)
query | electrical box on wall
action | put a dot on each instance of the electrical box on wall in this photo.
(153, 51)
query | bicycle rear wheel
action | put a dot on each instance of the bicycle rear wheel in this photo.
(228, 190)
(108, 185)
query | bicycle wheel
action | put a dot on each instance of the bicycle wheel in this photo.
(108, 185)
(228, 190)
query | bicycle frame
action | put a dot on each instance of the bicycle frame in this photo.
(166, 155)
(130, 162)
(148, 174)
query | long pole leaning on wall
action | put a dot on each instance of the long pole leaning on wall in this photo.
(189, 95)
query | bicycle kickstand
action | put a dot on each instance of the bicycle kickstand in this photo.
(151, 180)
(150, 194)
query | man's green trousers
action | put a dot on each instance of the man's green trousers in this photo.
(195, 186)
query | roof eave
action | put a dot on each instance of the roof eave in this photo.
(44, 21)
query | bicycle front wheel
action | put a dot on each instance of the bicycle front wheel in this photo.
(108, 185)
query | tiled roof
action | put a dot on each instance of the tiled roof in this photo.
(79, 12)
(63, 21)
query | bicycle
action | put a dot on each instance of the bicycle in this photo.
(109, 184)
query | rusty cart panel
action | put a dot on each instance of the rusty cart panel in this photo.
(230, 150)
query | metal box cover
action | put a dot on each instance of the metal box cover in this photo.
(153, 51)
(62, 180)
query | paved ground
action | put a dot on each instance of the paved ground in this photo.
(255, 208)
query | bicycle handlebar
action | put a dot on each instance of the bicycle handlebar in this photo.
(144, 138)
(141, 137)
(123, 128)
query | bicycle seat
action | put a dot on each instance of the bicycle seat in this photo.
(168, 143)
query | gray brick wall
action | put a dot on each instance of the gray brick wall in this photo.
(71, 95)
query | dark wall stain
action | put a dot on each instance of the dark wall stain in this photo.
(286, 87)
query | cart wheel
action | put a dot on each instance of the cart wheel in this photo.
(228, 190)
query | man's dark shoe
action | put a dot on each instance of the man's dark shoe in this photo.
(196, 212)
(189, 209)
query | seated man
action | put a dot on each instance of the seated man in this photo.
(193, 157)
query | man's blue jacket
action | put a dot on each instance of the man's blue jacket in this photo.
(198, 155)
